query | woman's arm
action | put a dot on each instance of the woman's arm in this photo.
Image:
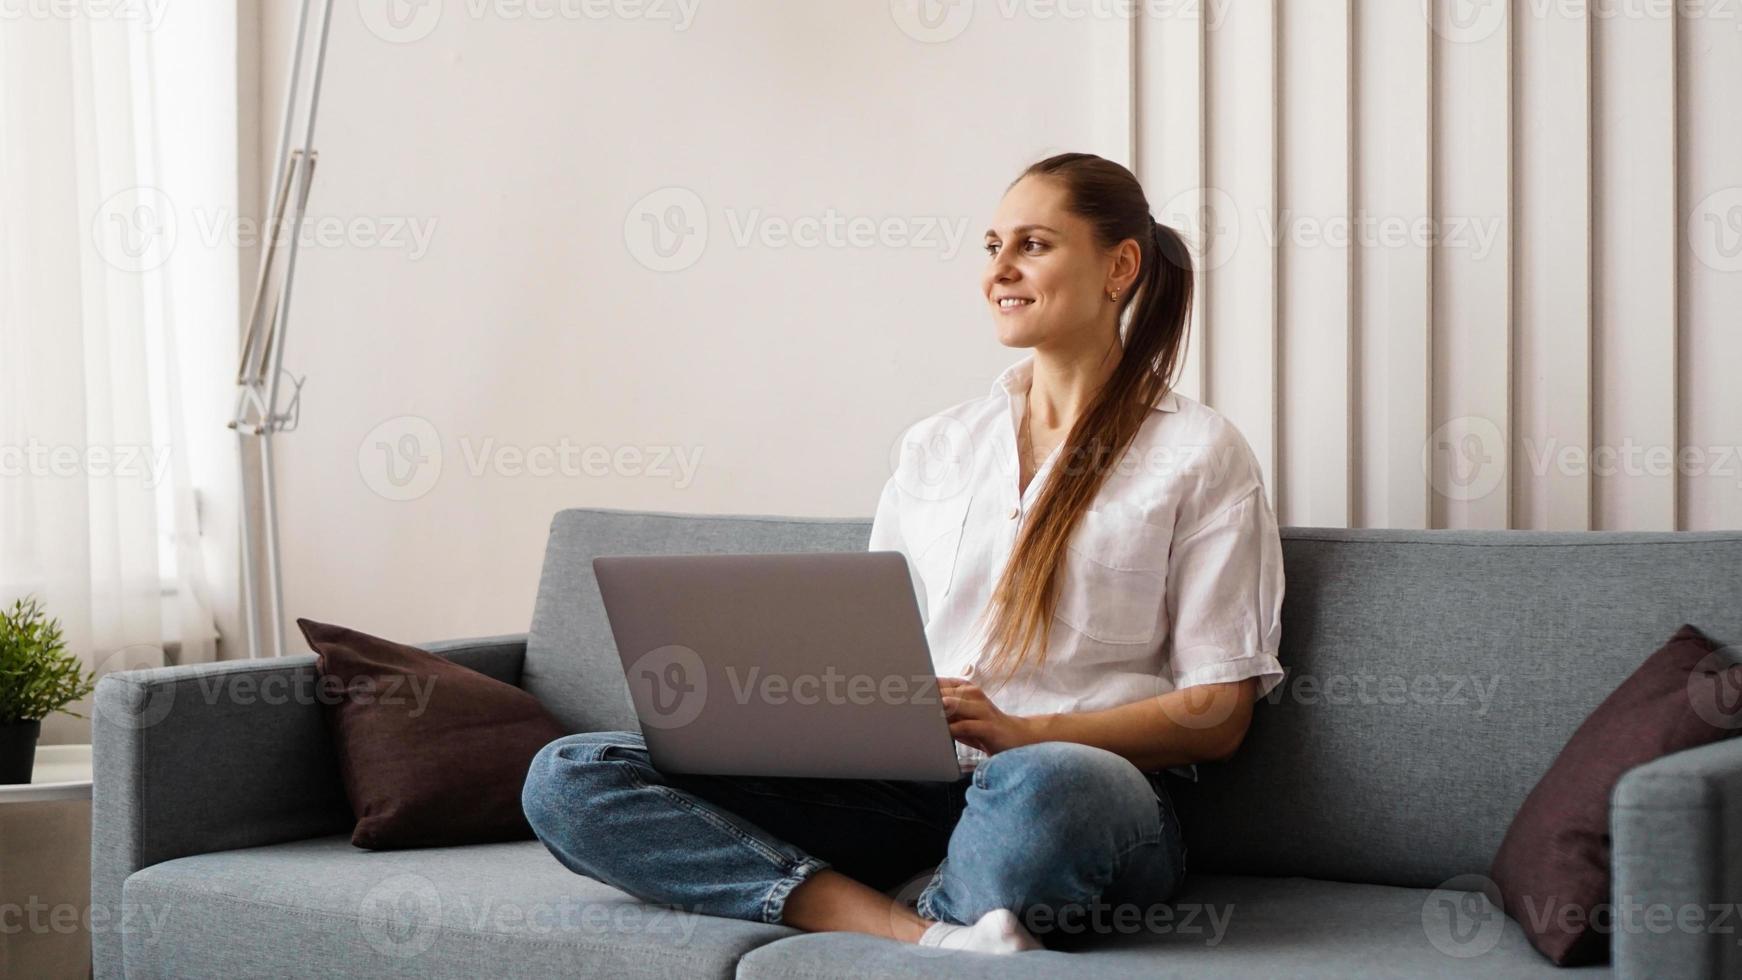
(1203, 723)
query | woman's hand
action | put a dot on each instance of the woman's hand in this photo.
(976, 722)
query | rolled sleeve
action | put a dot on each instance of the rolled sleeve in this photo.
(1224, 598)
(886, 536)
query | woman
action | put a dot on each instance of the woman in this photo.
(1097, 618)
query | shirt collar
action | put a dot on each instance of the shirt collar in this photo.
(1017, 377)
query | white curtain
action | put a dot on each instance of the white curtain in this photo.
(117, 308)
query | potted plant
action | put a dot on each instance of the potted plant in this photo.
(37, 678)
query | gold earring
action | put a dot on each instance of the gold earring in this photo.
(1113, 297)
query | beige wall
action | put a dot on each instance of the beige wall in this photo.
(522, 148)
(1584, 294)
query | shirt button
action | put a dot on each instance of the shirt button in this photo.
(1014, 511)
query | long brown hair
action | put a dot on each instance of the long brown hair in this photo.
(1107, 196)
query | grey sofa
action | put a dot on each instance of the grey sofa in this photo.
(1433, 677)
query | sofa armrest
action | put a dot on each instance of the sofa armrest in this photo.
(1676, 829)
(211, 757)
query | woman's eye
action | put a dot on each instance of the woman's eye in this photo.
(1028, 245)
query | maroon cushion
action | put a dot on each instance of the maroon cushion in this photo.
(1552, 868)
(431, 753)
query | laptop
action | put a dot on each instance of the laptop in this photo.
(799, 664)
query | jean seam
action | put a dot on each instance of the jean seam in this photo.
(595, 751)
(774, 903)
(923, 904)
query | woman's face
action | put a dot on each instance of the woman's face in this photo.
(1046, 279)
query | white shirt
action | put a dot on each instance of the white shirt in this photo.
(1172, 577)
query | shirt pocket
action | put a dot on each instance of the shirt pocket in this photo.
(935, 532)
(1115, 578)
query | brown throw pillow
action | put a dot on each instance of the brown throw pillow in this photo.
(431, 753)
(1552, 868)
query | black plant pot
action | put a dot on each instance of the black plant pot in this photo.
(18, 751)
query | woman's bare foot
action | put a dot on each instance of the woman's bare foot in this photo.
(829, 901)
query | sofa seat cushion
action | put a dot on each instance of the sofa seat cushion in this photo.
(321, 907)
(1223, 926)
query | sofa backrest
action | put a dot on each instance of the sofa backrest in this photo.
(1432, 675)
(571, 659)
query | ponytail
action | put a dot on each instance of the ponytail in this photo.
(1156, 313)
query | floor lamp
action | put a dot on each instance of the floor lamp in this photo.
(258, 415)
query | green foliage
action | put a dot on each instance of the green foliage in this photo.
(37, 675)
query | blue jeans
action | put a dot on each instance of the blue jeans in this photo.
(1062, 834)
